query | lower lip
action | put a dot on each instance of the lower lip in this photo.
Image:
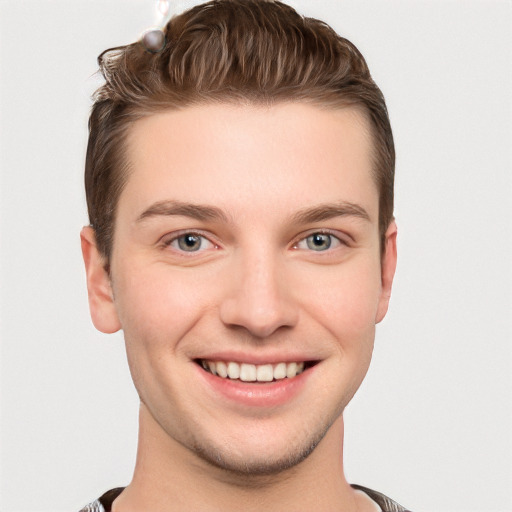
(265, 394)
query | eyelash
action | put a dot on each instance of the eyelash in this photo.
(332, 237)
(167, 242)
(203, 238)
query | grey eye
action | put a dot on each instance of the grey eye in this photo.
(319, 241)
(190, 242)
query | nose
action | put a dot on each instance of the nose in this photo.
(258, 297)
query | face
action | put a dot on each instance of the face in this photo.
(247, 277)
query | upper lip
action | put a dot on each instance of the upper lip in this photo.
(258, 359)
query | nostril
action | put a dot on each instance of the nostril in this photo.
(259, 321)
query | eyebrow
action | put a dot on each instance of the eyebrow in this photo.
(329, 211)
(203, 212)
(194, 211)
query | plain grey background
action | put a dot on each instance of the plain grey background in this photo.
(432, 424)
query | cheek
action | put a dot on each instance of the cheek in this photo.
(346, 298)
(159, 306)
(156, 311)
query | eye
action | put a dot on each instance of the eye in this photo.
(319, 242)
(190, 242)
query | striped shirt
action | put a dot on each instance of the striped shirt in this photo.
(104, 504)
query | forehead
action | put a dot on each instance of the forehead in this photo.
(248, 157)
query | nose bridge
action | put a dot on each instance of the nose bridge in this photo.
(259, 295)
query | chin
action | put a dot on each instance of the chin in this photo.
(261, 459)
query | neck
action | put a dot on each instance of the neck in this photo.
(169, 477)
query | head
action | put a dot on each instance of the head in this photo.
(239, 187)
(257, 52)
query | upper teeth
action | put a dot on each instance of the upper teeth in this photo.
(253, 372)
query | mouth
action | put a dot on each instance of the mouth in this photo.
(244, 372)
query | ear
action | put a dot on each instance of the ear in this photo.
(99, 286)
(388, 266)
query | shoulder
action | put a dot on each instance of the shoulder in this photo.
(385, 503)
(95, 506)
(104, 503)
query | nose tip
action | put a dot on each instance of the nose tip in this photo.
(260, 322)
(260, 302)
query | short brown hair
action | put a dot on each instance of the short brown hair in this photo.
(256, 51)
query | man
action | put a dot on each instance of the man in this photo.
(239, 181)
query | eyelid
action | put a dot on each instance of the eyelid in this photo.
(166, 240)
(333, 233)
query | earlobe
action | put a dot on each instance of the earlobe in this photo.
(388, 267)
(101, 302)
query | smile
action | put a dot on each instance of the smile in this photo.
(253, 372)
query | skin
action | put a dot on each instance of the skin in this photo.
(256, 289)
